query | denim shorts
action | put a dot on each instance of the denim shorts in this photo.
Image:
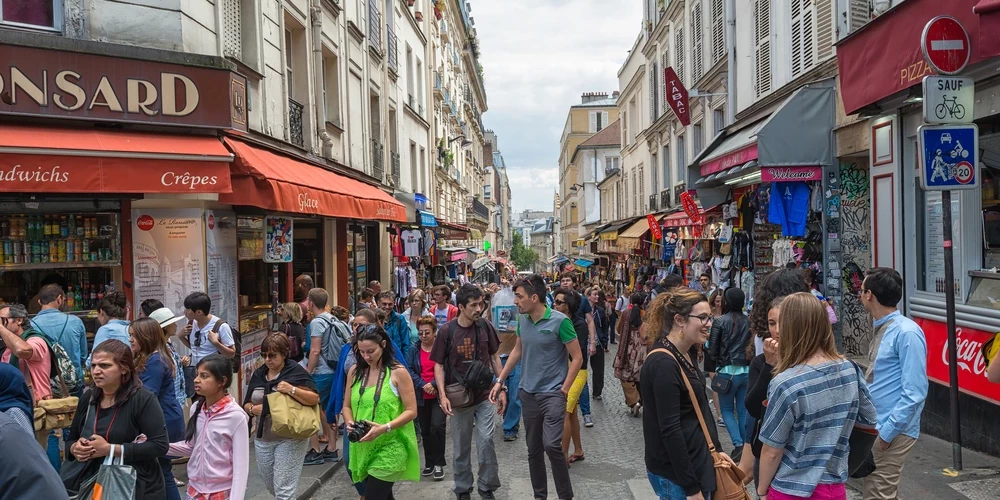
(324, 383)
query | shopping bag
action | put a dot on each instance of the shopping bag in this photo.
(115, 480)
(291, 419)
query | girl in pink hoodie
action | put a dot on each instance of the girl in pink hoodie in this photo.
(217, 437)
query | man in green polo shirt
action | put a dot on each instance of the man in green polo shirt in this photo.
(546, 342)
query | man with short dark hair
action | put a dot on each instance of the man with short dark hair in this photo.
(395, 324)
(461, 342)
(200, 337)
(26, 345)
(897, 379)
(66, 329)
(441, 307)
(325, 329)
(705, 284)
(547, 342)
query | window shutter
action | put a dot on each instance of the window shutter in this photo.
(718, 31)
(808, 35)
(604, 119)
(697, 43)
(679, 52)
(825, 30)
(232, 26)
(762, 76)
(796, 37)
(859, 15)
(665, 63)
(654, 91)
(593, 122)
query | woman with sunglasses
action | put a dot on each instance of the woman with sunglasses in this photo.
(279, 459)
(429, 413)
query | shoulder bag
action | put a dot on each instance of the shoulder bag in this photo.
(728, 478)
(291, 419)
(723, 382)
(477, 378)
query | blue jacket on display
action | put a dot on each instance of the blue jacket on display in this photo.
(789, 207)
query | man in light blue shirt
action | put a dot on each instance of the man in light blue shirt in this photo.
(897, 377)
(66, 329)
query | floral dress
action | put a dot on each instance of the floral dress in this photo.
(393, 456)
(631, 351)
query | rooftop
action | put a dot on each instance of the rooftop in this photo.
(609, 136)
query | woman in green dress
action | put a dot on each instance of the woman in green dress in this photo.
(380, 394)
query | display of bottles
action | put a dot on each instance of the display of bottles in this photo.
(70, 299)
(54, 239)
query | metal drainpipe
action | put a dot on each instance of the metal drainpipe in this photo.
(316, 15)
(731, 61)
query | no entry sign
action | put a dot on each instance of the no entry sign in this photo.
(945, 44)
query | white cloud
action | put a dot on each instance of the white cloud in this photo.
(538, 56)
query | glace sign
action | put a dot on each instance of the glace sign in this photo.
(949, 156)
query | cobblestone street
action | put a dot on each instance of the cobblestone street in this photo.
(613, 469)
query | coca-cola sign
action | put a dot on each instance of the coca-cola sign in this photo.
(971, 364)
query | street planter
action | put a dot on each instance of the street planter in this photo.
(419, 15)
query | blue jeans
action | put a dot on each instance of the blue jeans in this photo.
(666, 490)
(512, 415)
(734, 411)
(585, 399)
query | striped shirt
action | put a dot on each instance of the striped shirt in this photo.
(810, 414)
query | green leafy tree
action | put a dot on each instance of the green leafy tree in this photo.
(523, 256)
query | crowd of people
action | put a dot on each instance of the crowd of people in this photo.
(389, 378)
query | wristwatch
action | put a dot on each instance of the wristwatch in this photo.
(388, 427)
(293, 390)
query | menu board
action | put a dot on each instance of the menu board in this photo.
(220, 252)
(168, 255)
(277, 239)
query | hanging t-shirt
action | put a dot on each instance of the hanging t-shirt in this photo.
(789, 207)
(411, 242)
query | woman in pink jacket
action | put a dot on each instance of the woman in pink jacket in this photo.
(217, 437)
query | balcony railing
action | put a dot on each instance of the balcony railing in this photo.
(391, 48)
(447, 100)
(295, 134)
(652, 203)
(444, 30)
(374, 25)
(394, 168)
(665, 198)
(378, 168)
(468, 96)
(478, 210)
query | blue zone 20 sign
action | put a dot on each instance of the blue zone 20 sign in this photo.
(949, 157)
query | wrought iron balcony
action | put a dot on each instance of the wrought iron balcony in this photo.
(652, 203)
(445, 35)
(665, 198)
(478, 210)
(447, 100)
(295, 134)
(374, 25)
(438, 86)
(468, 96)
(391, 48)
(378, 168)
(394, 168)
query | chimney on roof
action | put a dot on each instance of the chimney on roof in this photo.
(615, 93)
(592, 96)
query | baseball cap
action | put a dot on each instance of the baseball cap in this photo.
(165, 317)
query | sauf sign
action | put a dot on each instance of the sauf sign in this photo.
(74, 85)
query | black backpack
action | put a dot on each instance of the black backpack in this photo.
(237, 344)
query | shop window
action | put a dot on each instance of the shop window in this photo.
(331, 87)
(32, 13)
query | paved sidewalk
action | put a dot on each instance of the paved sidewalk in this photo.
(313, 477)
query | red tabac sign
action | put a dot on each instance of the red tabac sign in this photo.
(971, 365)
(63, 84)
(677, 96)
(690, 207)
(654, 227)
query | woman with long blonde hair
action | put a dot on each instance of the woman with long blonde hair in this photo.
(822, 395)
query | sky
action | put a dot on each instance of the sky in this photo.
(538, 57)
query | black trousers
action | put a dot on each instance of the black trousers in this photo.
(432, 430)
(377, 489)
(597, 370)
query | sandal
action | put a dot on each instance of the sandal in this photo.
(575, 458)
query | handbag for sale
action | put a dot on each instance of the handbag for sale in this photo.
(291, 419)
(728, 477)
(115, 480)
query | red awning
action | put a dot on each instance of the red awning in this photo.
(679, 219)
(884, 56)
(272, 181)
(37, 159)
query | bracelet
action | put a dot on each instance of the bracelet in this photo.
(293, 390)
(388, 427)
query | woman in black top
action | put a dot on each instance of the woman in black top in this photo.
(678, 462)
(727, 346)
(761, 372)
(599, 304)
(291, 325)
(116, 410)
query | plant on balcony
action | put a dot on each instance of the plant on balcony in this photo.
(449, 158)
(419, 16)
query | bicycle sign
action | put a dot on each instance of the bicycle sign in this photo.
(948, 156)
(948, 99)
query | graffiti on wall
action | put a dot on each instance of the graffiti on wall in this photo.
(855, 237)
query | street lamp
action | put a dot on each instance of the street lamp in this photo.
(465, 142)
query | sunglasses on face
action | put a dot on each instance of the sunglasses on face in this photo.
(269, 355)
(559, 302)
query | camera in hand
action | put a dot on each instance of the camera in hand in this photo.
(361, 428)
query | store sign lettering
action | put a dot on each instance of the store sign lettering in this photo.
(186, 179)
(790, 174)
(60, 84)
(914, 72)
(970, 361)
(40, 174)
(305, 202)
(970, 354)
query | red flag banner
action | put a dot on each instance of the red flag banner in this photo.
(690, 207)
(654, 227)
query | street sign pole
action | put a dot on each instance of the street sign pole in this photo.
(949, 301)
(947, 163)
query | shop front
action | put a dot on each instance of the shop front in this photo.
(912, 241)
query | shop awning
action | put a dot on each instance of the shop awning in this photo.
(452, 231)
(272, 181)
(584, 263)
(475, 250)
(558, 259)
(460, 255)
(427, 219)
(884, 56)
(629, 238)
(611, 232)
(680, 219)
(80, 160)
